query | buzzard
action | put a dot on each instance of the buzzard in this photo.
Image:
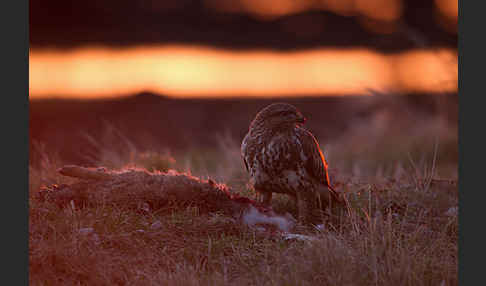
(283, 157)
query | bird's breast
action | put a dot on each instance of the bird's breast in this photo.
(278, 164)
(282, 153)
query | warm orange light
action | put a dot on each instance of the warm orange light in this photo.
(449, 8)
(274, 8)
(384, 10)
(202, 71)
(419, 71)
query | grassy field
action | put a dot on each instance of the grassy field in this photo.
(400, 178)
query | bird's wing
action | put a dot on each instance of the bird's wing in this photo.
(315, 163)
(243, 152)
(246, 164)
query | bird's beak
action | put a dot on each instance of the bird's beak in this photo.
(302, 119)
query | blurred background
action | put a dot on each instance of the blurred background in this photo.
(242, 47)
(179, 75)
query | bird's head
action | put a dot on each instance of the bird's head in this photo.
(278, 115)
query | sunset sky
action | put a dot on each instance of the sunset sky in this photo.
(202, 71)
(216, 48)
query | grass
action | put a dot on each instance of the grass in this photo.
(400, 228)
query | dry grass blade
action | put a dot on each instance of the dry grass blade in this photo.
(130, 226)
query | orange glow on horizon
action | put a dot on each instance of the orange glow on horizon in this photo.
(449, 8)
(184, 71)
(385, 10)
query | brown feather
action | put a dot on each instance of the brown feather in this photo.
(283, 157)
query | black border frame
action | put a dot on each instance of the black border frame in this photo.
(15, 175)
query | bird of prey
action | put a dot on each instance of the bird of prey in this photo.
(283, 157)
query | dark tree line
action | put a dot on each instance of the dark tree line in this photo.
(69, 23)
